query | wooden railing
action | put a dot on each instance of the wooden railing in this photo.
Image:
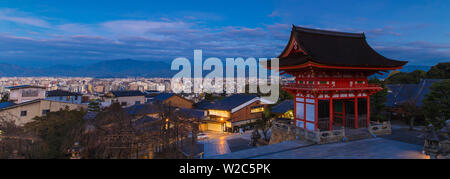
(327, 86)
(324, 123)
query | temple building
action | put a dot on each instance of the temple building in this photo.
(331, 70)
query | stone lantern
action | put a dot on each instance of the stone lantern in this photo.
(444, 145)
(437, 144)
(431, 146)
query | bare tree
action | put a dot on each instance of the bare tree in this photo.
(17, 143)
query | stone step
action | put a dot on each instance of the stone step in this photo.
(357, 134)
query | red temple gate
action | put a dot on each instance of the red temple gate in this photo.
(331, 69)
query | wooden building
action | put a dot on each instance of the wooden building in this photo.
(24, 112)
(173, 100)
(331, 70)
(234, 112)
(25, 93)
(125, 98)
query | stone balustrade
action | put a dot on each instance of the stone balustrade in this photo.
(284, 132)
(378, 129)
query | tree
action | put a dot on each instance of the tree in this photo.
(112, 135)
(406, 78)
(58, 130)
(117, 135)
(437, 103)
(5, 98)
(264, 124)
(17, 143)
(284, 95)
(411, 112)
(378, 101)
(440, 71)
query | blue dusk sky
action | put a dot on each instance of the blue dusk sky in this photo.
(48, 32)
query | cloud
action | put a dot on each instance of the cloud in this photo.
(143, 40)
(74, 28)
(383, 31)
(274, 14)
(141, 27)
(165, 39)
(14, 16)
(416, 52)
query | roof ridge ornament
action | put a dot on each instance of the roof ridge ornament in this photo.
(329, 32)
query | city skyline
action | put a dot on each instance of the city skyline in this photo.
(48, 33)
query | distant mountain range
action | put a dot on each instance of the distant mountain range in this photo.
(103, 69)
(114, 69)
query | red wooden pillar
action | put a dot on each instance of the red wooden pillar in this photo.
(331, 114)
(368, 111)
(316, 115)
(295, 111)
(356, 112)
(344, 119)
(304, 112)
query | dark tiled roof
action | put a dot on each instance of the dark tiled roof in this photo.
(231, 102)
(20, 104)
(337, 49)
(142, 109)
(425, 89)
(163, 96)
(127, 93)
(147, 124)
(193, 113)
(401, 93)
(146, 119)
(61, 93)
(283, 107)
(23, 86)
(30, 102)
(203, 104)
(6, 104)
(152, 91)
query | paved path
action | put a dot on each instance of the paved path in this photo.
(214, 147)
(264, 150)
(406, 135)
(218, 143)
(376, 148)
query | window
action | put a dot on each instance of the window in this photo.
(258, 109)
(137, 102)
(44, 112)
(123, 103)
(23, 113)
(30, 93)
(300, 111)
(219, 113)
